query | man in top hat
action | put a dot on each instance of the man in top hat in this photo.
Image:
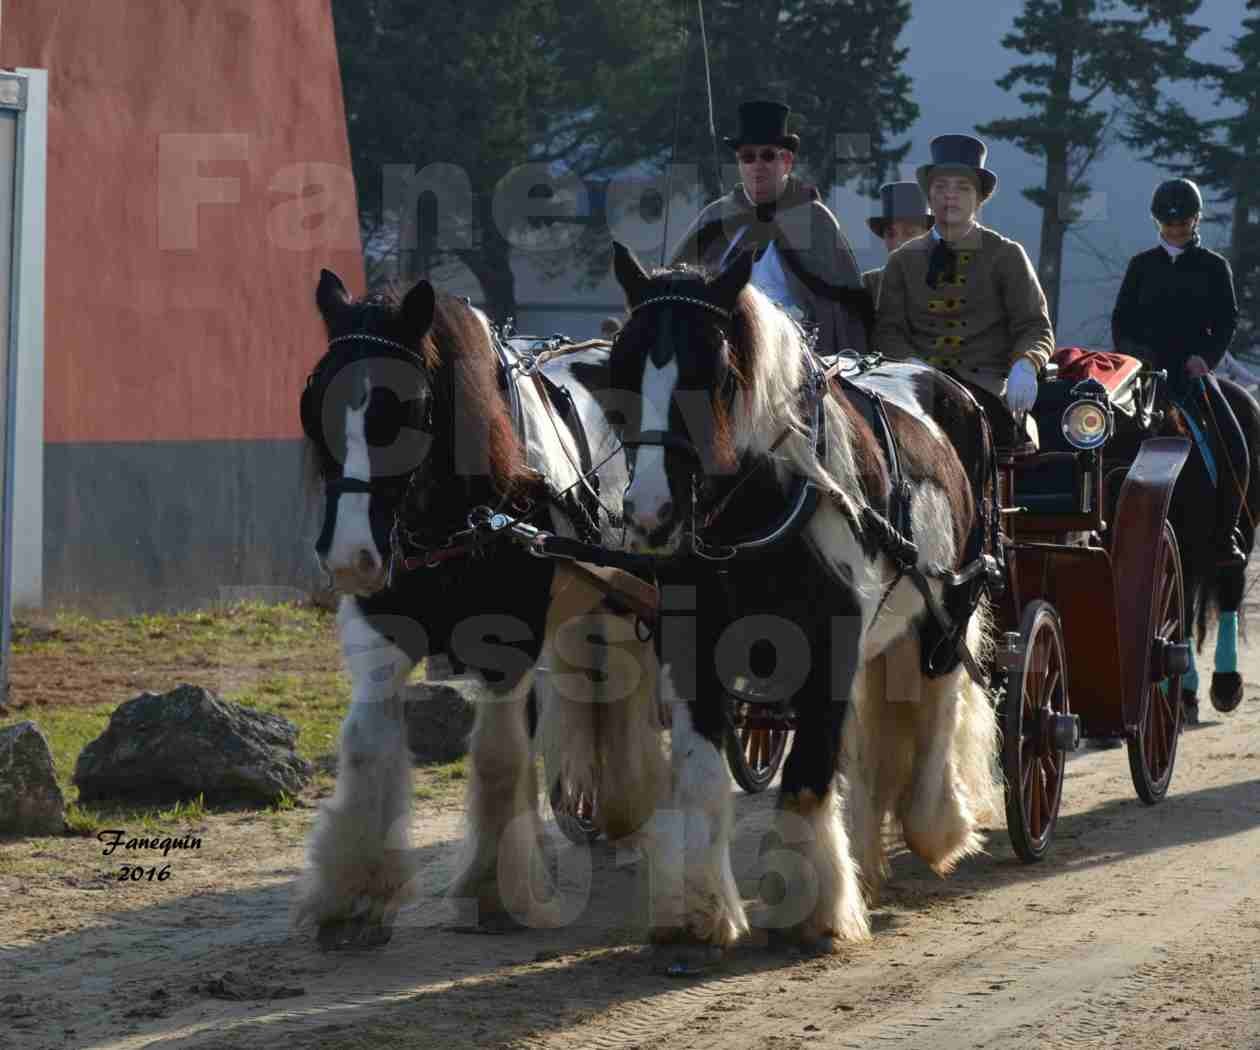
(905, 216)
(803, 261)
(964, 298)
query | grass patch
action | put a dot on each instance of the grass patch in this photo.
(89, 818)
(69, 672)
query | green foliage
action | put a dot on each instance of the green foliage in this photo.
(1222, 154)
(597, 87)
(1090, 62)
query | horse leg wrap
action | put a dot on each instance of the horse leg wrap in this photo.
(1190, 680)
(1227, 643)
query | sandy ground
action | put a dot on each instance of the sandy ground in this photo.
(1140, 930)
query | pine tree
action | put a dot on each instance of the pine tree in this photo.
(594, 87)
(1222, 154)
(1089, 57)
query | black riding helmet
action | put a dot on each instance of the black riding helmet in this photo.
(1175, 201)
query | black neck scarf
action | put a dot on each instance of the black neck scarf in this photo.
(942, 264)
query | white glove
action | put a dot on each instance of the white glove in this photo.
(1021, 386)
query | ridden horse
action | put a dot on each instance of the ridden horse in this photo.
(409, 418)
(1212, 592)
(712, 377)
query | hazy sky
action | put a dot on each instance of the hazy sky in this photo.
(955, 57)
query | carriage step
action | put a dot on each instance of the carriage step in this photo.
(1065, 732)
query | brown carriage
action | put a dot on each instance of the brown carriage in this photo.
(1093, 622)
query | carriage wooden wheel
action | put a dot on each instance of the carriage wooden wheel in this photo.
(574, 810)
(1153, 750)
(754, 746)
(1033, 722)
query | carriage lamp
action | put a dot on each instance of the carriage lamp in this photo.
(1088, 422)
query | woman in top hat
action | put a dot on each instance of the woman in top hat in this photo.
(803, 260)
(964, 298)
(905, 216)
(1177, 310)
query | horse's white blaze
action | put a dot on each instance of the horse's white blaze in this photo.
(649, 489)
(353, 558)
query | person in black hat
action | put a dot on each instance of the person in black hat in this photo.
(803, 260)
(905, 216)
(1177, 310)
(964, 298)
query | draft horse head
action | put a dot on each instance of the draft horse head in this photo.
(406, 426)
(679, 362)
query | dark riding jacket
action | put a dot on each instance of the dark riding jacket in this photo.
(1170, 309)
(820, 266)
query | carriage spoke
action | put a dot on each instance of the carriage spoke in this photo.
(1168, 589)
(1034, 820)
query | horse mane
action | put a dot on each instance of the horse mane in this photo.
(770, 354)
(460, 340)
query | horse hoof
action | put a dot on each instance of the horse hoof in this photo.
(800, 943)
(492, 923)
(345, 934)
(685, 960)
(1227, 690)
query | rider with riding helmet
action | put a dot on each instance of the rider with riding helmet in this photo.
(964, 298)
(1177, 311)
(904, 216)
(803, 261)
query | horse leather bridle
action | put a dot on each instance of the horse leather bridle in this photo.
(803, 499)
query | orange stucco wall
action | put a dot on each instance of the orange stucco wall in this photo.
(198, 178)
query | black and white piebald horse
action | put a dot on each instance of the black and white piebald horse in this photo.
(723, 430)
(410, 420)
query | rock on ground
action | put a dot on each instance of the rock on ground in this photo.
(31, 803)
(174, 745)
(439, 719)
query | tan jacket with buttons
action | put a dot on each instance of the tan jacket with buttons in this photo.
(992, 314)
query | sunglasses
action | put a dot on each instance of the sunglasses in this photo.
(749, 156)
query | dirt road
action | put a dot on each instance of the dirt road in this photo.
(1141, 930)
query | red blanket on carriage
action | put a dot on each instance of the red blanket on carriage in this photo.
(1112, 370)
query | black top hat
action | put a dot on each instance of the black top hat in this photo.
(959, 152)
(763, 122)
(901, 200)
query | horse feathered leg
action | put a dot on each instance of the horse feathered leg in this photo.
(808, 845)
(695, 906)
(694, 899)
(359, 856)
(500, 871)
(954, 789)
(878, 756)
(600, 730)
